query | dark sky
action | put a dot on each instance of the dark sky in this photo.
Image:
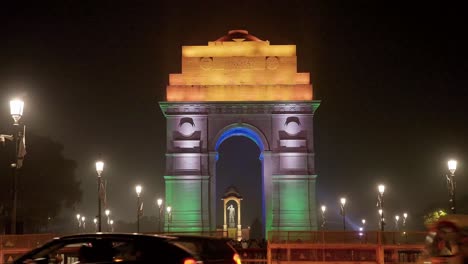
(391, 78)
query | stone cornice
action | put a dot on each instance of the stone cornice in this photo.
(212, 108)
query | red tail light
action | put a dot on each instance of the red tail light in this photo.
(189, 261)
(237, 259)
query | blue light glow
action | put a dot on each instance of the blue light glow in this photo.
(241, 131)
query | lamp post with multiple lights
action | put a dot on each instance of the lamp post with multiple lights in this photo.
(451, 185)
(99, 170)
(380, 204)
(138, 192)
(18, 137)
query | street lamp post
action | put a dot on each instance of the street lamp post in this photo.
(138, 192)
(83, 221)
(95, 223)
(380, 204)
(343, 212)
(323, 209)
(111, 222)
(99, 169)
(405, 215)
(18, 137)
(381, 219)
(451, 185)
(78, 218)
(169, 218)
(397, 220)
(107, 212)
(159, 202)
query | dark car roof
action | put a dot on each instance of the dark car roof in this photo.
(206, 247)
(96, 236)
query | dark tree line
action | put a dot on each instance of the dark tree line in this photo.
(46, 184)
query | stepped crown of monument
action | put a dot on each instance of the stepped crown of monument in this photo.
(239, 67)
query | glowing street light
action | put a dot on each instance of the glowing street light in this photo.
(78, 218)
(95, 223)
(16, 110)
(380, 204)
(99, 170)
(83, 220)
(451, 185)
(18, 138)
(405, 215)
(323, 209)
(111, 222)
(343, 213)
(107, 212)
(397, 220)
(169, 218)
(159, 202)
(138, 189)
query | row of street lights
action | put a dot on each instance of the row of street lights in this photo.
(138, 189)
(16, 111)
(82, 223)
(323, 209)
(451, 186)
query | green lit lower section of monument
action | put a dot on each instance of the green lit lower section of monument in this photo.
(188, 198)
(294, 203)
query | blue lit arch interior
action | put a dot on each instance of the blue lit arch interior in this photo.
(255, 137)
(241, 131)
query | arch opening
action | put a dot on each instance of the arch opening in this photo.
(239, 163)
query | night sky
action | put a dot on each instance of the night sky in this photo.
(391, 78)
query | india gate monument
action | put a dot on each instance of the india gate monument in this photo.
(240, 86)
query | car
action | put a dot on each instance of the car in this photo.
(110, 248)
(210, 250)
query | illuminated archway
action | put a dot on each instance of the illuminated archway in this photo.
(256, 200)
(240, 85)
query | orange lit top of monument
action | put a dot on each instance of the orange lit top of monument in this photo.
(239, 67)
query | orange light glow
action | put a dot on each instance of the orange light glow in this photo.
(190, 261)
(239, 93)
(237, 259)
(248, 49)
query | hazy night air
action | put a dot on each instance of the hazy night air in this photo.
(391, 80)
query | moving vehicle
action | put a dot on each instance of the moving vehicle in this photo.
(447, 241)
(130, 248)
(209, 249)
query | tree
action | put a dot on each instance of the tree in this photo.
(46, 182)
(433, 217)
